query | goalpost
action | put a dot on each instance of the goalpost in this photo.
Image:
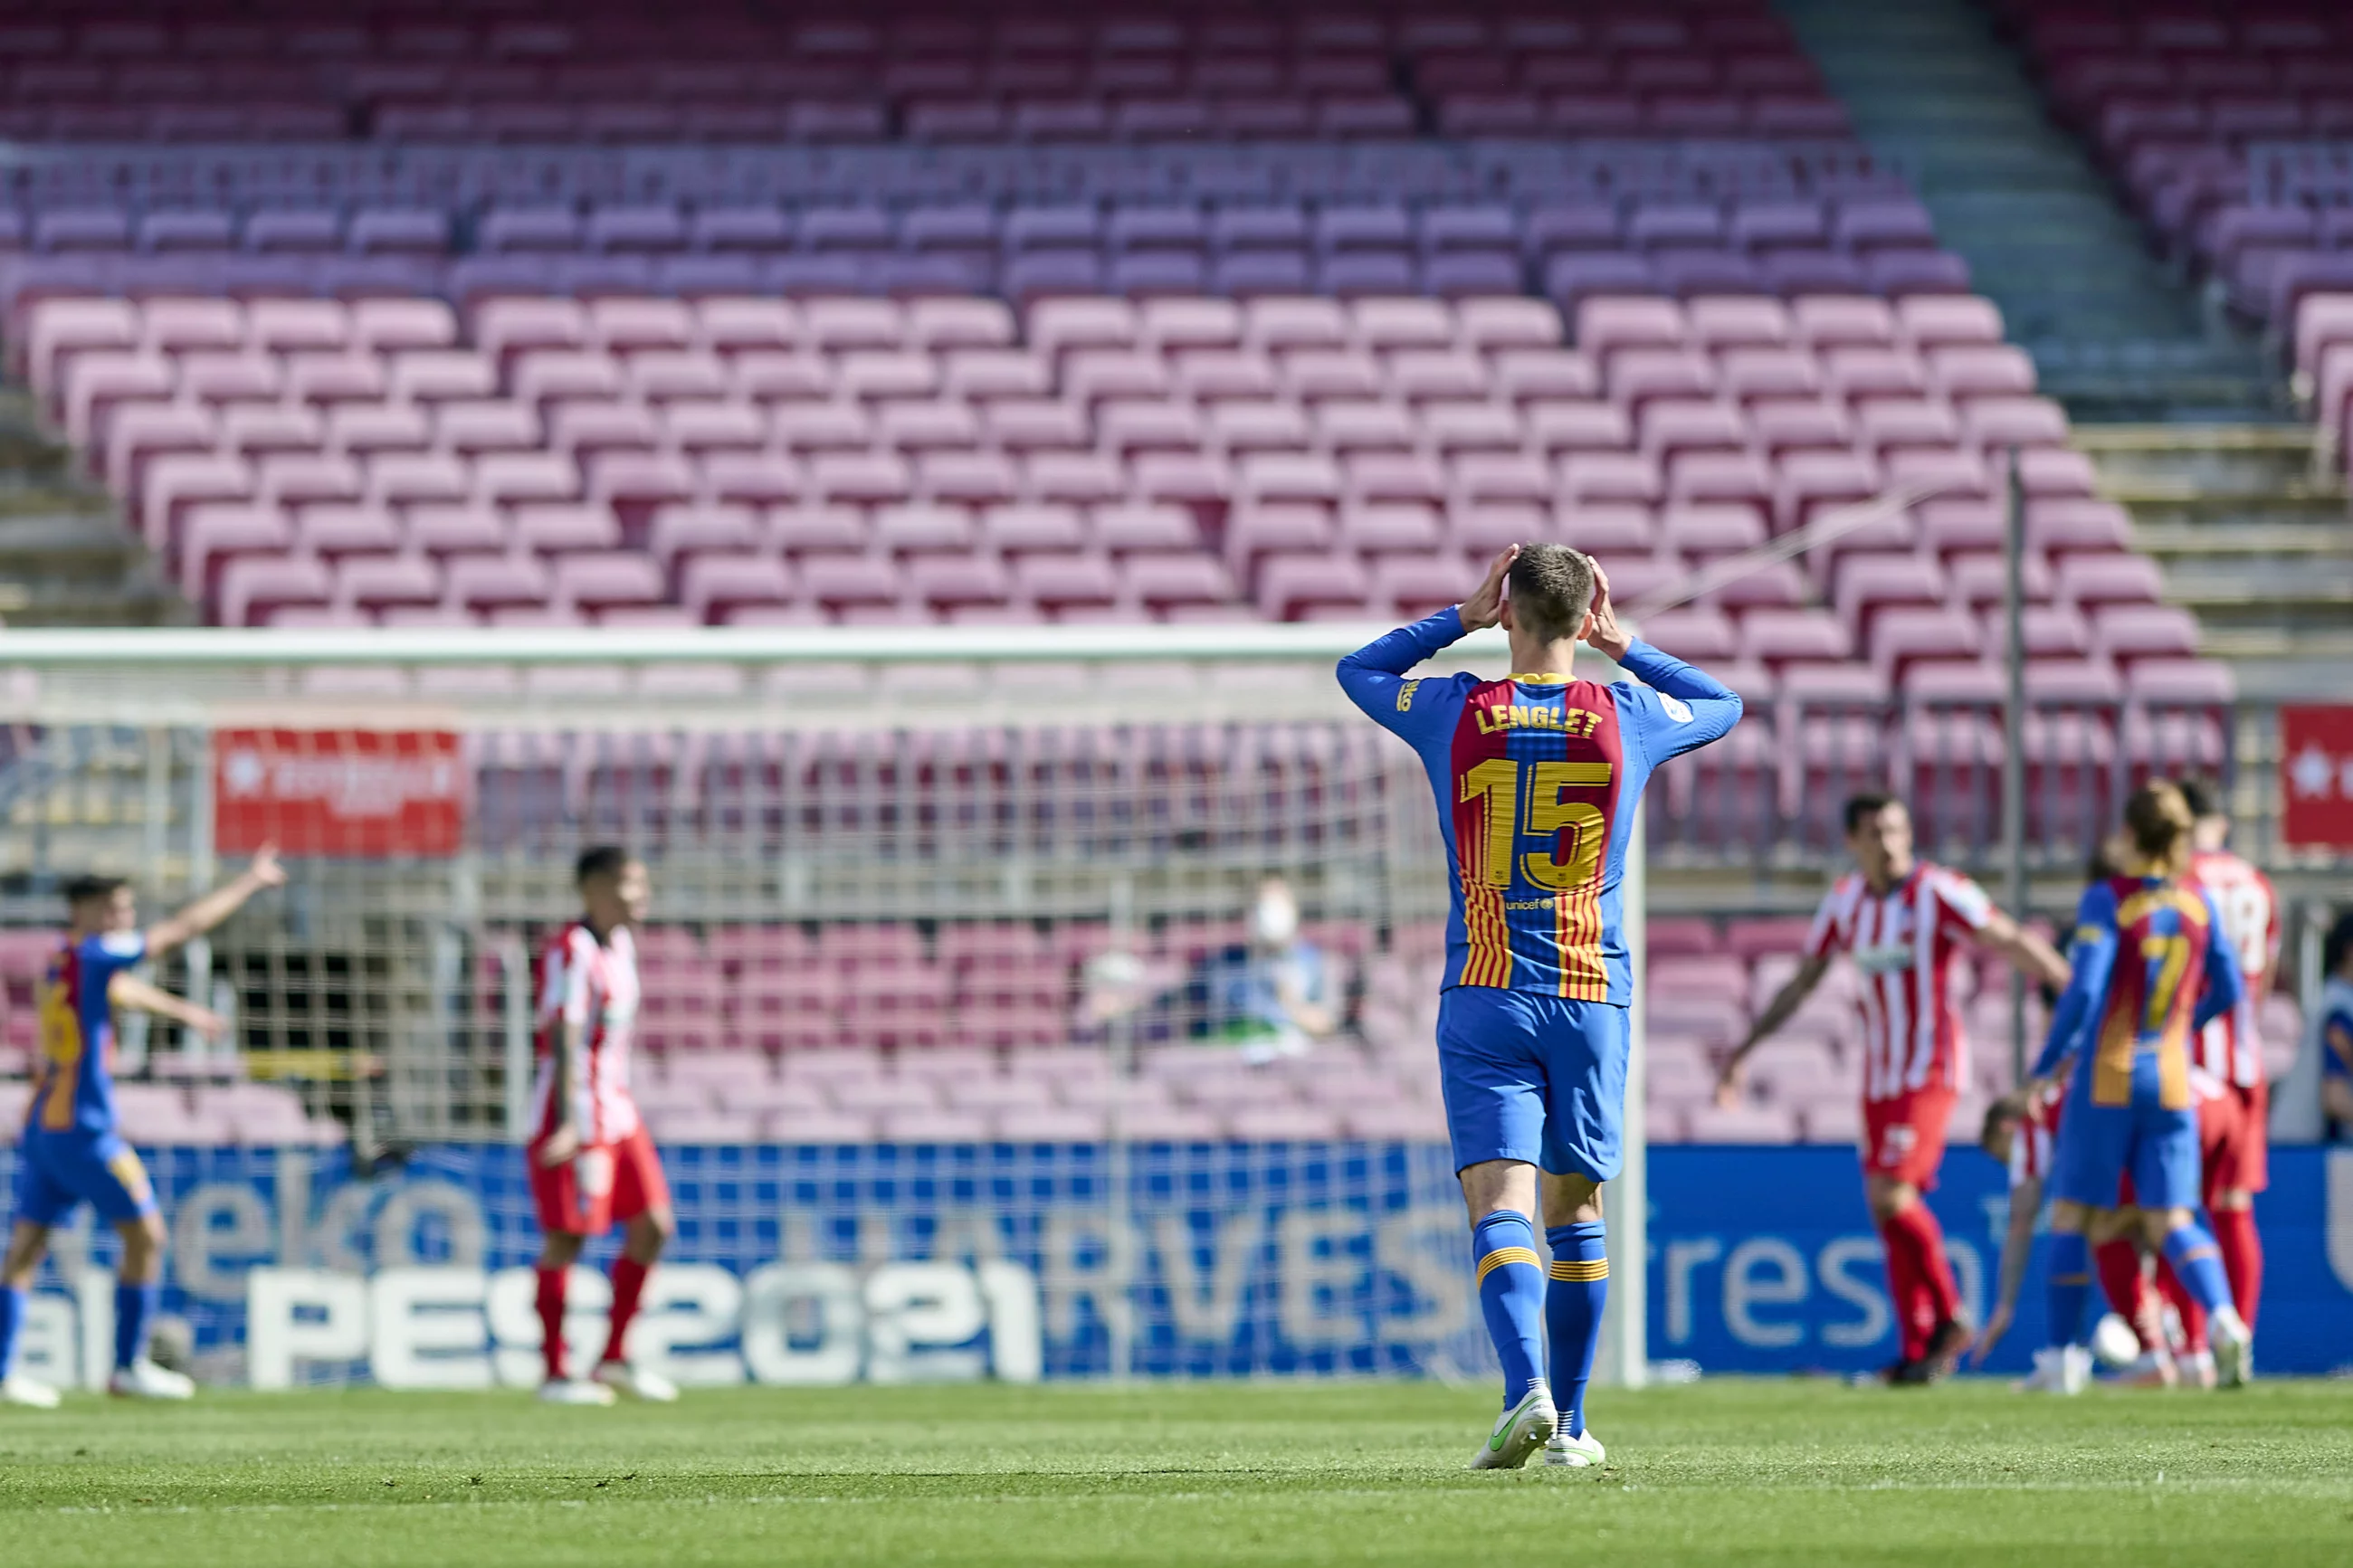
(1125, 788)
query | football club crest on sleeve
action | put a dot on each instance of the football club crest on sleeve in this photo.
(1675, 709)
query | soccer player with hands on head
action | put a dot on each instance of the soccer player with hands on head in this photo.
(1538, 777)
(2152, 968)
(1903, 922)
(73, 1152)
(592, 1161)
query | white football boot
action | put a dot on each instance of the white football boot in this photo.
(2060, 1369)
(2197, 1368)
(18, 1389)
(142, 1379)
(1575, 1453)
(637, 1382)
(1521, 1431)
(2234, 1348)
(573, 1391)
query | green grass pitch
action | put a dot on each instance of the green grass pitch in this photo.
(1732, 1472)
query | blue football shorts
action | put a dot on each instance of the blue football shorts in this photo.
(1534, 1078)
(2156, 1147)
(55, 1172)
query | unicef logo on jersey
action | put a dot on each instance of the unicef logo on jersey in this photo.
(1674, 708)
(1886, 960)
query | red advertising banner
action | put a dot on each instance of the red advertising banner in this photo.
(362, 792)
(2316, 776)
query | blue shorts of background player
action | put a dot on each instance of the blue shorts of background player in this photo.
(2154, 1146)
(1533, 1079)
(56, 1174)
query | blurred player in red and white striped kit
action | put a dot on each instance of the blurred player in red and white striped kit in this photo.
(1905, 922)
(592, 1161)
(2227, 1074)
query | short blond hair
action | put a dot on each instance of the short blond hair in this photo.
(1551, 590)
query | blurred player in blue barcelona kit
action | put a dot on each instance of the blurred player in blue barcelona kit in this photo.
(2152, 965)
(1538, 776)
(72, 1152)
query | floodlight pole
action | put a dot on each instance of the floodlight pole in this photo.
(2013, 743)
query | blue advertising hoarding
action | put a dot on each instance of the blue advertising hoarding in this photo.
(1230, 1260)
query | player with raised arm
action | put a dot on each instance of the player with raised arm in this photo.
(1903, 922)
(72, 1153)
(2152, 968)
(1538, 776)
(592, 1161)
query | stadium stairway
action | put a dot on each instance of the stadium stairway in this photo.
(2115, 334)
(2250, 531)
(66, 558)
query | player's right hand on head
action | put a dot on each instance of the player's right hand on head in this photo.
(1484, 607)
(560, 1146)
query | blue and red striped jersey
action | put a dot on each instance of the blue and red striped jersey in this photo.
(74, 1091)
(2151, 967)
(1537, 777)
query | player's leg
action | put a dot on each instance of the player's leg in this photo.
(2089, 1156)
(641, 1204)
(1491, 1073)
(28, 1242)
(1576, 1293)
(1584, 1104)
(116, 1184)
(2166, 1172)
(1906, 1170)
(570, 1211)
(2236, 1169)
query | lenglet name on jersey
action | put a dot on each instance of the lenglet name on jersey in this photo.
(1577, 721)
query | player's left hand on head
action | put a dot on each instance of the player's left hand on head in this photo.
(1608, 636)
(264, 869)
(1484, 607)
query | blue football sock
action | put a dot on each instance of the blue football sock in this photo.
(134, 1309)
(2198, 1264)
(1574, 1297)
(2070, 1286)
(1512, 1297)
(13, 1303)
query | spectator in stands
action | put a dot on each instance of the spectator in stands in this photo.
(2336, 1032)
(1271, 994)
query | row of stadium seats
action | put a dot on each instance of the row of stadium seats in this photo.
(150, 1113)
(2172, 101)
(1566, 253)
(855, 458)
(1855, 224)
(712, 73)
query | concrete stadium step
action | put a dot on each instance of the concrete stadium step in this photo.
(66, 559)
(2114, 333)
(2255, 536)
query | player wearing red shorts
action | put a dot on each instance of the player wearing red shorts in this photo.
(1903, 922)
(591, 1160)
